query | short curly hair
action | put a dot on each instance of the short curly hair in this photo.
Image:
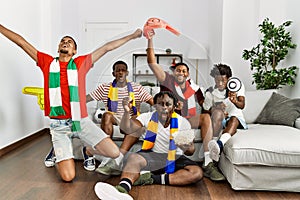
(119, 62)
(67, 36)
(162, 93)
(221, 69)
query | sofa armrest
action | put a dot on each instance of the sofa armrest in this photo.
(297, 123)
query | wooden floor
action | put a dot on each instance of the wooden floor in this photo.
(23, 176)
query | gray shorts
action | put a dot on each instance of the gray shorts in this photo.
(62, 135)
(156, 162)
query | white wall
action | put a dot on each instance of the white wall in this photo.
(224, 28)
(19, 114)
(292, 13)
(43, 23)
(240, 31)
(174, 12)
(240, 20)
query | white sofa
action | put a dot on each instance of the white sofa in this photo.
(264, 157)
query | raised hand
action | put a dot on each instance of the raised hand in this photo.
(127, 104)
(232, 97)
(137, 33)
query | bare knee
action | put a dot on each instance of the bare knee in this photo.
(205, 119)
(196, 174)
(217, 115)
(107, 122)
(66, 169)
(234, 120)
(68, 177)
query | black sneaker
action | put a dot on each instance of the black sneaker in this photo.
(88, 161)
(50, 158)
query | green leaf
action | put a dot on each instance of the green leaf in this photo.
(264, 58)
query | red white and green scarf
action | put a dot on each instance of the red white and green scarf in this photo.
(112, 101)
(191, 89)
(56, 108)
(150, 138)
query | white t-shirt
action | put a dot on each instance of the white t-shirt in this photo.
(219, 96)
(161, 144)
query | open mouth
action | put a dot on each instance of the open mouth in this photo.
(180, 78)
(164, 114)
(121, 78)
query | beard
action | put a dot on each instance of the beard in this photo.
(180, 82)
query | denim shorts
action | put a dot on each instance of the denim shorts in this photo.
(62, 136)
(242, 124)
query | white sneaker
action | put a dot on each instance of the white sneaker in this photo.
(214, 150)
(89, 162)
(106, 191)
(50, 159)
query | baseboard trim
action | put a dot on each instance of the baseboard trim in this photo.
(23, 141)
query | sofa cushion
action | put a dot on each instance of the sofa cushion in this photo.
(254, 103)
(269, 145)
(280, 110)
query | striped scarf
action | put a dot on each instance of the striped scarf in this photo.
(150, 137)
(112, 101)
(188, 95)
(56, 108)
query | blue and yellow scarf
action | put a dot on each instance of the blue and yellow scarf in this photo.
(150, 137)
(112, 101)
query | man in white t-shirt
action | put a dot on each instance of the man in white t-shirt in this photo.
(164, 159)
(225, 108)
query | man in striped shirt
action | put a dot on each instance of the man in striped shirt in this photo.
(118, 89)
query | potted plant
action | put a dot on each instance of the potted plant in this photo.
(265, 57)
